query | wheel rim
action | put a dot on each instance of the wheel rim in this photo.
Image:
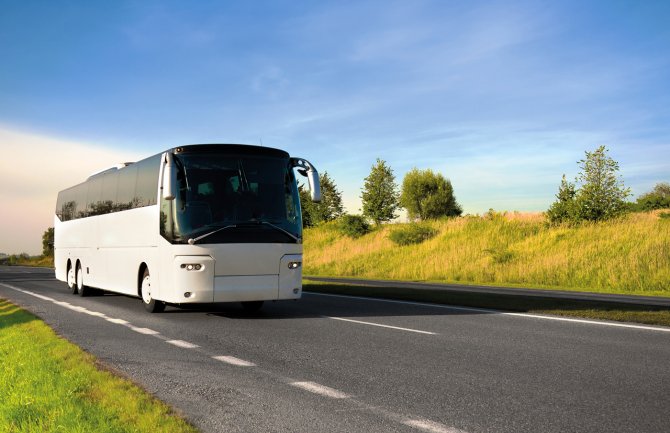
(146, 289)
(80, 279)
(70, 278)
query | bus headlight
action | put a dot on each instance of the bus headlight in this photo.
(294, 265)
(191, 266)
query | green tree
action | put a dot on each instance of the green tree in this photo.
(380, 193)
(658, 198)
(48, 242)
(564, 208)
(330, 207)
(306, 204)
(602, 195)
(428, 195)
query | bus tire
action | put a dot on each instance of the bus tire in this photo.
(150, 304)
(252, 306)
(82, 290)
(71, 279)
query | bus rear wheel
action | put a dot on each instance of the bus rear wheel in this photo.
(71, 279)
(150, 304)
(82, 289)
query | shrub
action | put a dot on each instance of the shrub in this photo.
(428, 195)
(658, 198)
(500, 255)
(353, 226)
(412, 234)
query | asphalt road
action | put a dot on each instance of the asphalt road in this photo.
(338, 364)
(507, 291)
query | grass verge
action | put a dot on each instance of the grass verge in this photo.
(630, 255)
(648, 315)
(26, 260)
(50, 385)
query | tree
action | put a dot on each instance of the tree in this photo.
(564, 208)
(657, 198)
(306, 204)
(330, 207)
(48, 242)
(602, 195)
(380, 193)
(428, 195)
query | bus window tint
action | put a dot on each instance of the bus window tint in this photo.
(93, 196)
(125, 198)
(109, 185)
(147, 181)
(80, 200)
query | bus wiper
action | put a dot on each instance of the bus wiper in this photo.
(192, 241)
(286, 232)
(268, 223)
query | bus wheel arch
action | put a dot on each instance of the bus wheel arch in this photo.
(144, 291)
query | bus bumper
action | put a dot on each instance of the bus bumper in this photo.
(195, 282)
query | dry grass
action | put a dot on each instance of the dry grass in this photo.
(629, 255)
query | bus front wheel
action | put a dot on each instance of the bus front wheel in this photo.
(150, 304)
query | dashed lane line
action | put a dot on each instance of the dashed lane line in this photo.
(234, 361)
(145, 331)
(322, 390)
(430, 426)
(313, 387)
(182, 343)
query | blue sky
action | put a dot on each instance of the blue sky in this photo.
(500, 97)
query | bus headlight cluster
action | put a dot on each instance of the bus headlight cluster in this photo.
(191, 266)
(294, 265)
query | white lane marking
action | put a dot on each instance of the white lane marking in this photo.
(182, 343)
(145, 331)
(430, 426)
(380, 325)
(37, 295)
(503, 313)
(425, 425)
(320, 389)
(234, 361)
(95, 314)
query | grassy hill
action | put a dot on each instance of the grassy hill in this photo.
(630, 255)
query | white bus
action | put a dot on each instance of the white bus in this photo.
(195, 224)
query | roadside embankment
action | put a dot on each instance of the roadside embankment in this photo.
(50, 385)
(630, 255)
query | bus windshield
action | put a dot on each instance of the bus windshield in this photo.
(225, 198)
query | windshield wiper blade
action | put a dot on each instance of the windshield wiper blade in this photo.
(286, 232)
(192, 241)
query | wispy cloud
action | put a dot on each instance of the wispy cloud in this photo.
(40, 166)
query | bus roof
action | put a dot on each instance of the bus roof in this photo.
(245, 149)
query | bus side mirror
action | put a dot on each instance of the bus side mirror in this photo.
(305, 168)
(169, 176)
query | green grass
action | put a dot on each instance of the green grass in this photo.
(527, 304)
(50, 385)
(26, 260)
(630, 255)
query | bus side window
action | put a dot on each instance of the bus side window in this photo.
(125, 198)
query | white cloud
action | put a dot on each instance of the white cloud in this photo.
(34, 169)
